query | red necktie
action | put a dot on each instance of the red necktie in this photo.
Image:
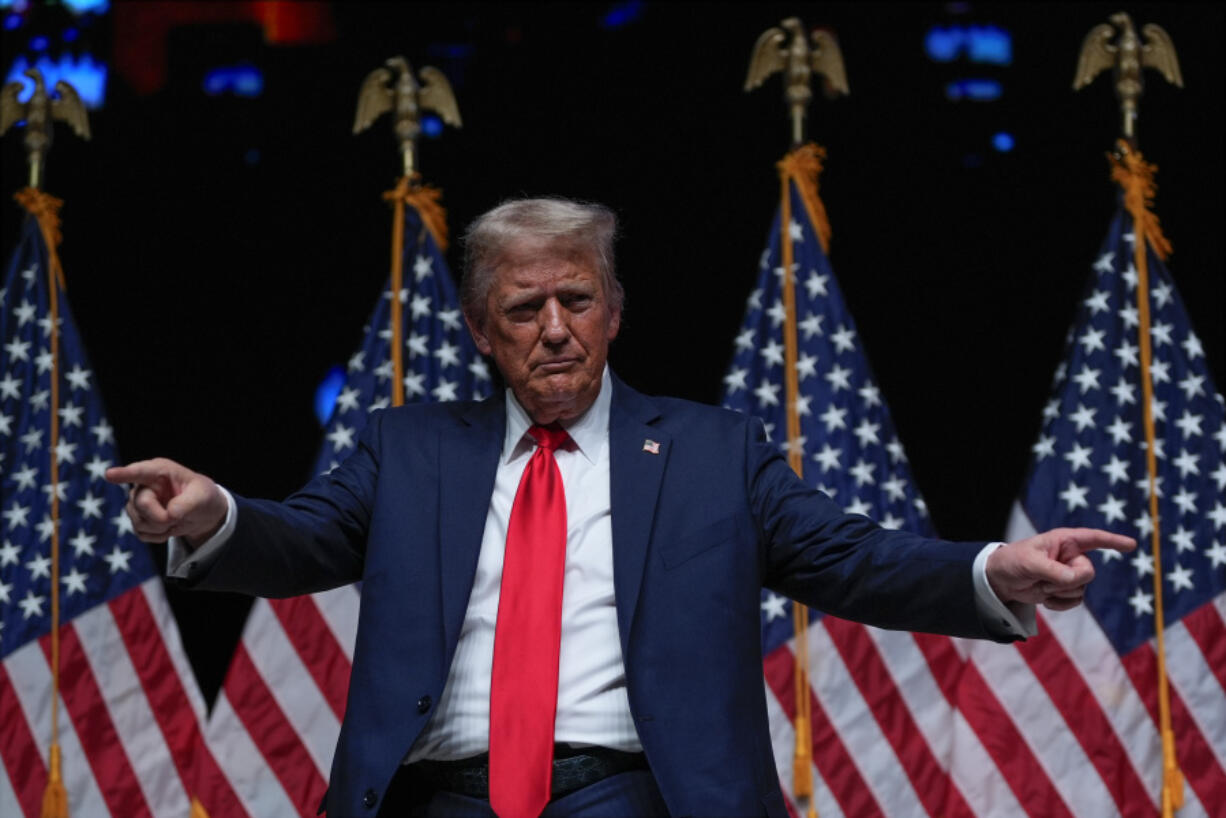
(524, 682)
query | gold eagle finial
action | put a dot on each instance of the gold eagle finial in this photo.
(39, 112)
(1127, 57)
(406, 99)
(774, 52)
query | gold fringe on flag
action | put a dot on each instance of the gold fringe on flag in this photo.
(46, 209)
(1136, 177)
(426, 201)
(801, 166)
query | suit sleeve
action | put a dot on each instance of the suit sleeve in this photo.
(312, 541)
(847, 565)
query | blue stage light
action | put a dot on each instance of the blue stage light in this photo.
(1002, 141)
(986, 43)
(431, 126)
(70, 35)
(38, 43)
(975, 90)
(989, 44)
(243, 80)
(82, 6)
(623, 14)
(82, 73)
(327, 392)
(944, 44)
(12, 22)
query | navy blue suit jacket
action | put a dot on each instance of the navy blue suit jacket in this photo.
(698, 530)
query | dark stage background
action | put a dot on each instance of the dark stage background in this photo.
(223, 252)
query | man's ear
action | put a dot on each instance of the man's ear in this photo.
(615, 324)
(476, 328)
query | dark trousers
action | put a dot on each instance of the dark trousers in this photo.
(631, 793)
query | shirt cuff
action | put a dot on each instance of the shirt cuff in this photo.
(1012, 619)
(181, 560)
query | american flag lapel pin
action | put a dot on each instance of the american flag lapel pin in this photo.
(651, 446)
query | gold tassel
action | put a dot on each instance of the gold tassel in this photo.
(198, 810)
(55, 797)
(803, 165)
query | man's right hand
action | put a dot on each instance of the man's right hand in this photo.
(170, 500)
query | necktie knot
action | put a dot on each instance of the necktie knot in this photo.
(551, 437)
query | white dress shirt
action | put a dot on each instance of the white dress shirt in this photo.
(592, 703)
(593, 708)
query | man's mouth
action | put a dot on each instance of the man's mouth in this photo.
(556, 365)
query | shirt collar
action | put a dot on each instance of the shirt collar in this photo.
(588, 431)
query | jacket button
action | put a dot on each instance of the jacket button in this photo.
(423, 704)
(369, 799)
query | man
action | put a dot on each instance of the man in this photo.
(561, 587)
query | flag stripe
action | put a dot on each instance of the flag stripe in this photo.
(313, 640)
(85, 705)
(288, 682)
(835, 686)
(171, 705)
(255, 784)
(1038, 722)
(783, 743)
(112, 666)
(983, 784)
(1198, 689)
(30, 675)
(1079, 635)
(886, 705)
(1067, 690)
(266, 722)
(1207, 629)
(941, 654)
(830, 756)
(23, 763)
(339, 608)
(1010, 752)
(1194, 754)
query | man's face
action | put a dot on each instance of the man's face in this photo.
(548, 326)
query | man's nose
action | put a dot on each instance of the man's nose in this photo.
(553, 317)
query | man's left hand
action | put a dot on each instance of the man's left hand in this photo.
(1051, 568)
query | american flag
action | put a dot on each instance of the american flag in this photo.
(130, 715)
(278, 715)
(1070, 717)
(881, 700)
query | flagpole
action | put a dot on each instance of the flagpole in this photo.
(787, 49)
(405, 99)
(1127, 56)
(45, 210)
(39, 113)
(1135, 176)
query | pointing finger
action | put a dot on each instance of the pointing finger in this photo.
(142, 472)
(1081, 540)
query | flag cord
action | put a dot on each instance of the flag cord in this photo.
(801, 165)
(425, 200)
(45, 210)
(1135, 176)
(397, 284)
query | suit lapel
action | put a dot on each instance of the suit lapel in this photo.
(468, 463)
(635, 474)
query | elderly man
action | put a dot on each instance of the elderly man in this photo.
(561, 584)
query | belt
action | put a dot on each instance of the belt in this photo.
(573, 769)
